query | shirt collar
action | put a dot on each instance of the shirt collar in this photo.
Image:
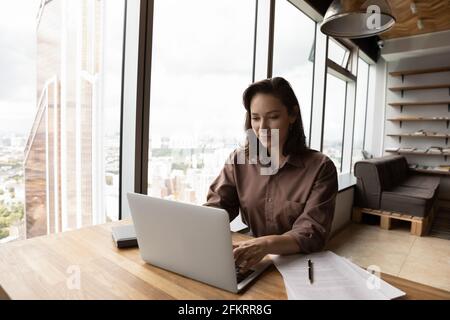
(293, 159)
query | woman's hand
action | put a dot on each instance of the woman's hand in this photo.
(249, 253)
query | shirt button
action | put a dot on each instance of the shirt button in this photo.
(269, 200)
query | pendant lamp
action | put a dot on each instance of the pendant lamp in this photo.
(357, 18)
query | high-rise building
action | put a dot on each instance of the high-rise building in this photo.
(64, 168)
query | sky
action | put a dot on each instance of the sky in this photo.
(202, 63)
(17, 64)
(201, 66)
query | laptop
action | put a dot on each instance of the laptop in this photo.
(190, 240)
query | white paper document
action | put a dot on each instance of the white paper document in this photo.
(334, 278)
(389, 291)
(237, 224)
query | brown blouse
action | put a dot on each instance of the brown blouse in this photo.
(298, 200)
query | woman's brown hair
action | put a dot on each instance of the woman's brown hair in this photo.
(282, 90)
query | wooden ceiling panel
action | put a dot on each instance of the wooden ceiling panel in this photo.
(435, 16)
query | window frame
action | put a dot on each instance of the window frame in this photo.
(132, 104)
(349, 75)
(143, 94)
(369, 68)
(270, 60)
(345, 117)
(347, 54)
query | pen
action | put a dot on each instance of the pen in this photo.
(310, 271)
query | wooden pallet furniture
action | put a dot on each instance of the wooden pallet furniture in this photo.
(420, 226)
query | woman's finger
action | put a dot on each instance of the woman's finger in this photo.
(238, 252)
(240, 260)
(253, 261)
(242, 256)
(248, 264)
(237, 244)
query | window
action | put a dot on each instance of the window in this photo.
(333, 132)
(340, 93)
(360, 111)
(338, 53)
(293, 54)
(59, 154)
(199, 72)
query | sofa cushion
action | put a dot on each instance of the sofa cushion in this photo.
(376, 175)
(408, 200)
(420, 181)
(398, 170)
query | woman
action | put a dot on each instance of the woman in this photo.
(291, 210)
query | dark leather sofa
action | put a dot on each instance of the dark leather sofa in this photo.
(387, 183)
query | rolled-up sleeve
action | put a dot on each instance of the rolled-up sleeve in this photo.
(311, 229)
(223, 194)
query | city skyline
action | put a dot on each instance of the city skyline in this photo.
(71, 127)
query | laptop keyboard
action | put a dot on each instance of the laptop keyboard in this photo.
(241, 276)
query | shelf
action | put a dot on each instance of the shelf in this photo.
(401, 120)
(445, 173)
(409, 104)
(419, 71)
(410, 88)
(423, 104)
(401, 135)
(401, 88)
(419, 153)
(420, 135)
(418, 119)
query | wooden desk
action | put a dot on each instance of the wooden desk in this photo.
(39, 268)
